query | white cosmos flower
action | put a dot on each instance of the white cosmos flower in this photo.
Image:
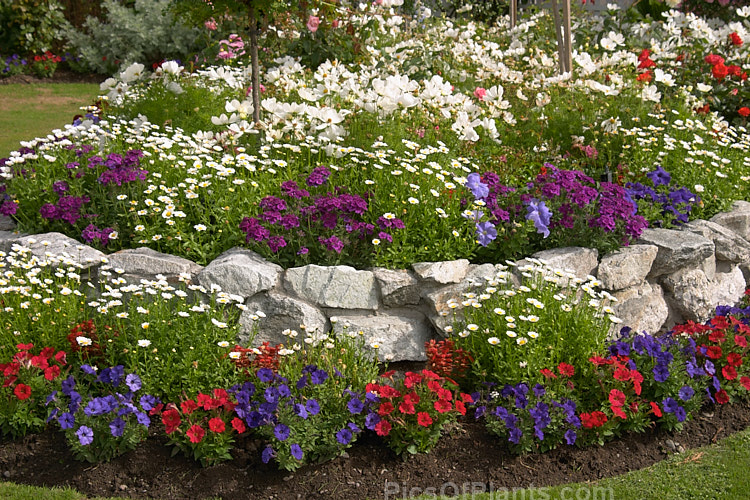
(144, 343)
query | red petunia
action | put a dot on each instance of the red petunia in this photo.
(22, 391)
(744, 111)
(655, 408)
(637, 378)
(383, 428)
(39, 362)
(745, 381)
(385, 409)
(599, 361)
(424, 419)
(617, 411)
(722, 397)
(729, 372)
(735, 39)
(713, 352)
(566, 370)
(717, 336)
(622, 373)
(547, 373)
(52, 372)
(61, 357)
(734, 359)
(616, 397)
(188, 406)
(593, 419)
(24, 347)
(238, 425)
(217, 425)
(444, 394)
(406, 408)
(740, 340)
(460, 407)
(196, 433)
(442, 406)
(171, 420)
(412, 398)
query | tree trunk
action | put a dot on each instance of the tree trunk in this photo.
(255, 77)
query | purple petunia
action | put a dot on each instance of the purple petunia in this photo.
(355, 406)
(344, 436)
(281, 432)
(539, 214)
(117, 427)
(133, 382)
(267, 454)
(479, 189)
(570, 436)
(85, 435)
(686, 393)
(296, 451)
(312, 407)
(66, 420)
(318, 377)
(486, 233)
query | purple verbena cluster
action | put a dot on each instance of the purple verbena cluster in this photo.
(296, 219)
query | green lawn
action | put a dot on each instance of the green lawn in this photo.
(30, 111)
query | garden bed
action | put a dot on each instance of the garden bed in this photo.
(468, 454)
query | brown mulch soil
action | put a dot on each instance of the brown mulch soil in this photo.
(60, 76)
(468, 457)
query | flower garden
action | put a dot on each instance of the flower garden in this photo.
(429, 138)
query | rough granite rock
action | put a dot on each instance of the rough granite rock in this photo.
(677, 250)
(397, 287)
(281, 312)
(729, 245)
(145, 263)
(580, 261)
(400, 333)
(6, 223)
(626, 267)
(691, 293)
(642, 307)
(728, 286)
(338, 286)
(240, 272)
(737, 219)
(442, 273)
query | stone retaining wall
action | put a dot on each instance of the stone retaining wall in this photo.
(667, 277)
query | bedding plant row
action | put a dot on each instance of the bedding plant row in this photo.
(444, 139)
(531, 360)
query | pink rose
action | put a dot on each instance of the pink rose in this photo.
(479, 93)
(312, 23)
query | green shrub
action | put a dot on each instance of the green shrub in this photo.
(146, 33)
(30, 26)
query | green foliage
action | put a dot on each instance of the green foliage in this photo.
(146, 33)
(29, 27)
(515, 331)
